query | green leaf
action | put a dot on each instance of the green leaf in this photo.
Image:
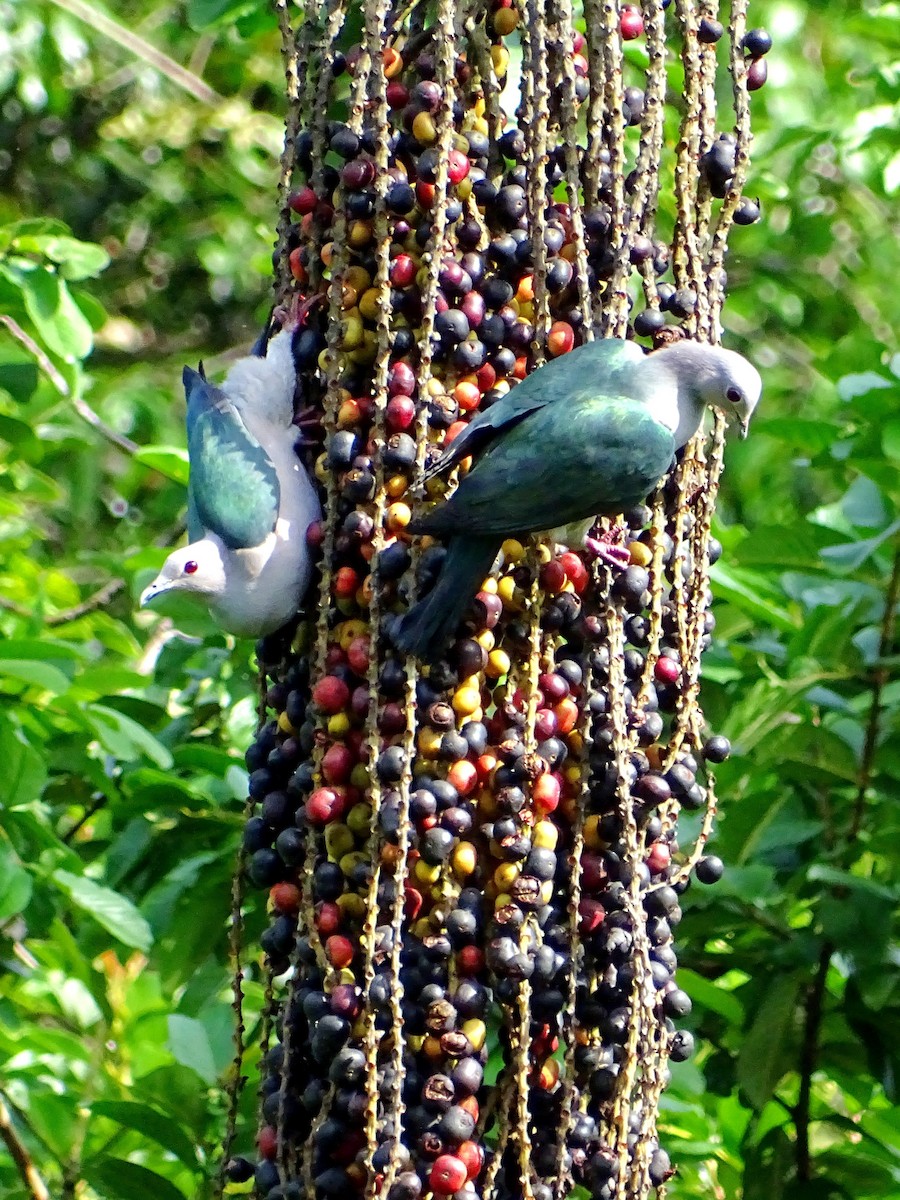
(764, 1056)
(113, 911)
(203, 13)
(79, 260)
(715, 998)
(61, 324)
(189, 1043)
(156, 1125)
(37, 674)
(15, 885)
(170, 461)
(747, 591)
(125, 738)
(119, 1179)
(24, 770)
(890, 438)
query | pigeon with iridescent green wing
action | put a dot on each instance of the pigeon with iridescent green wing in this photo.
(250, 500)
(588, 434)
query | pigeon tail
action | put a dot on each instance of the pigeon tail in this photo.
(426, 629)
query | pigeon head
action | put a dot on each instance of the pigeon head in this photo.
(710, 375)
(732, 385)
(197, 568)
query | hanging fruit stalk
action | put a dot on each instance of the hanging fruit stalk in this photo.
(473, 867)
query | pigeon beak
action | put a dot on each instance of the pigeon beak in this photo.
(744, 426)
(151, 592)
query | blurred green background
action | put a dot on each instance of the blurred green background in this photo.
(138, 157)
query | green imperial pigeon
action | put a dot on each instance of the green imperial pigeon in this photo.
(590, 433)
(250, 500)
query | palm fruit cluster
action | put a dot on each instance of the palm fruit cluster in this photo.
(473, 867)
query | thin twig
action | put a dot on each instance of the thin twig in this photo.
(140, 48)
(808, 1050)
(80, 405)
(118, 439)
(95, 806)
(20, 1156)
(96, 600)
(33, 348)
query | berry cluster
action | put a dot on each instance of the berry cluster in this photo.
(473, 869)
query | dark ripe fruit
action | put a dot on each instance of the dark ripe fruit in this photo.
(757, 73)
(683, 302)
(511, 203)
(747, 212)
(401, 198)
(266, 867)
(709, 31)
(239, 1170)
(716, 749)
(677, 1003)
(648, 322)
(682, 1046)
(756, 43)
(710, 869)
(634, 105)
(660, 1167)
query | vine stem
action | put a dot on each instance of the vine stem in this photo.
(20, 1156)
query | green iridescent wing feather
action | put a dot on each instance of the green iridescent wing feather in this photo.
(233, 489)
(562, 462)
(605, 366)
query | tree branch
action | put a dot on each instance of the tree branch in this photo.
(97, 600)
(34, 349)
(808, 1060)
(20, 1156)
(81, 406)
(140, 48)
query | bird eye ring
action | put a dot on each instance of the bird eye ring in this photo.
(190, 567)
(733, 395)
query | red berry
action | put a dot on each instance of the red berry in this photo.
(295, 262)
(339, 950)
(566, 715)
(397, 94)
(285, 897)
(400, 413)
(473, 1156)
(401, 380)
(325, 804)
(631, 23)
(328, 918)
(470, 960)
(560, 339)
(304, 200)
(552, 576)
(658, 858)
(667, 670)
(358, 654)
(346, 582)
(553, 686)
(576, 571)
(546, 792)
(448, 1174)
(267, 1140)
(403, 270)
(463, 775)
(457, 166)
(591, 914)
(337, 764)
(331, 694)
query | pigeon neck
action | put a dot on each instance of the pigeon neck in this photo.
(694, 374)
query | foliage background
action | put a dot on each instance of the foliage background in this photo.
(137, 160)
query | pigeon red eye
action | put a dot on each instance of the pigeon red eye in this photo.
(190, 567)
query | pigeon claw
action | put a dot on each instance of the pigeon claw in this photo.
(616, 557)
(293, 314)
